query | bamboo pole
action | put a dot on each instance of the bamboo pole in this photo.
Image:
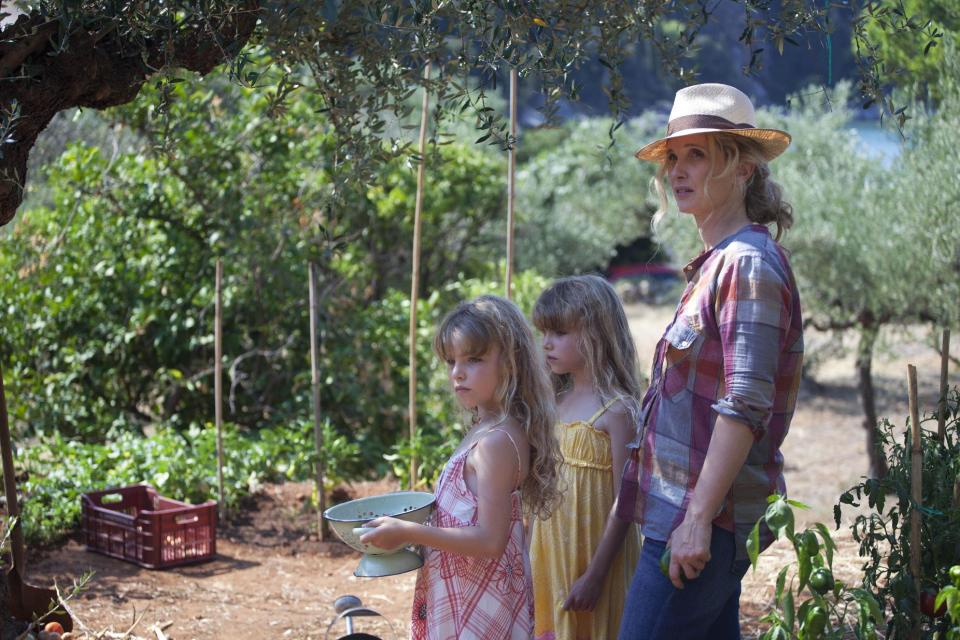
(415, 280)
(218, 385)
(944, 369)
(916, 491)
(511, 180)
(10, 488)
(315, 387)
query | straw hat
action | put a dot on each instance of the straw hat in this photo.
(708, 108)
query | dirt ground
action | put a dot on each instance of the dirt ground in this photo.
(273, 579)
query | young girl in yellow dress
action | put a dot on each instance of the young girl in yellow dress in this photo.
(582, 557)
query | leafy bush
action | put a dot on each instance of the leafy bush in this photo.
(579, 199)
(829, 608)
(884, 532)
(111, 293)
(180, 465)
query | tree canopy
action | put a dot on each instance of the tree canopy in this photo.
(363, 58)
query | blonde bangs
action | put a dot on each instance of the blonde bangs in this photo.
(554, 312)
(460, 331)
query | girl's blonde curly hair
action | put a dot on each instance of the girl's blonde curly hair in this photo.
(524, 392)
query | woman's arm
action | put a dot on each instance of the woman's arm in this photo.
(690, 542)
(585, 591)
(754, 312)
(494, 460)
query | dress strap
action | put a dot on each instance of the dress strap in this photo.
(602, 410)
(515, 448)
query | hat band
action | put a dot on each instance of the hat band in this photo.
(700, 121)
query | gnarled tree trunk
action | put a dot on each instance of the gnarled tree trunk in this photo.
(868, 340)
(48, 64)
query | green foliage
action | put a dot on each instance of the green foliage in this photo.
(112, 283)
(584, 195)
(180, 465)
(909, 35)
(884, 531)
(462, 219)
(828, 608)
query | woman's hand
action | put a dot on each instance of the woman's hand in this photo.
(583, 594)
(388, 533)
(689, 549)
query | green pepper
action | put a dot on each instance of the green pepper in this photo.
(665, 562)
(811, 545)
(816, 622)
(821, 580)
(665, 565)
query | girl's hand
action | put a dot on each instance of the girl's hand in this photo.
(689, 550)
(583, 594)
(388, 533)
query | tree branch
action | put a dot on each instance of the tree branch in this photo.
(96, 66)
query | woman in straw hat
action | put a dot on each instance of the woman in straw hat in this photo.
(725, 374)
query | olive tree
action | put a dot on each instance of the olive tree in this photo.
(364, 58)
(581, 197)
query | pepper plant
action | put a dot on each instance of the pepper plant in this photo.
(949, 600)
(813, 604)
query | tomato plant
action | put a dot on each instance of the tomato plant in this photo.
(883, 531)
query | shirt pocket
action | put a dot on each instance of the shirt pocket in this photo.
(683, 345)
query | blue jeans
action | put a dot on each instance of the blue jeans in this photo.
(707, 607)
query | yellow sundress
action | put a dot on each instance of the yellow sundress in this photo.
(562, 546)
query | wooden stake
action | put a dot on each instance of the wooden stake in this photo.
(218, 385)
(415, 279)
(916, 490)
(511, 180)
(944, 368)
(315, 387)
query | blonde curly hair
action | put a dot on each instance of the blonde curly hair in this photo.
(524, 392)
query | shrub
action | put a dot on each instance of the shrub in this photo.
(180, 465)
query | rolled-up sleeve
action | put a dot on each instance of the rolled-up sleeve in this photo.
(753, 317)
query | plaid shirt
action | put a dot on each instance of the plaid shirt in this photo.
(735, 347)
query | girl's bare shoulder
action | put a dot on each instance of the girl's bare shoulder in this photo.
(500, 449)
(616, 417)
(509, 429)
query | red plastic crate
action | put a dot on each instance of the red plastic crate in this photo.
(139, 525)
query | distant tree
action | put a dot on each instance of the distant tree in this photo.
(581, 197)
(363, 58)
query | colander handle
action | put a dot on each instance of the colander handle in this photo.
(350, 612)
